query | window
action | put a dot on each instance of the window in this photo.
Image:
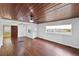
(60, 29)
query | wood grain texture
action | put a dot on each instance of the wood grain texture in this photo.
(36, 47)
(42, 12)
(59, 12)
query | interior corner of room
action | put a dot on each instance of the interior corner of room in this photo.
(52, 23)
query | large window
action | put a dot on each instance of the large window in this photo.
(60, 29)
(7, 32)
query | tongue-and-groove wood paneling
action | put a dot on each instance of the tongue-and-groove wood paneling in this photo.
(59, 12)
(42, 12)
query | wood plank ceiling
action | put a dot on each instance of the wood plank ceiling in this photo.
(42, 12)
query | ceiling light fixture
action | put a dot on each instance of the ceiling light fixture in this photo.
(31, 21)
(31, 18)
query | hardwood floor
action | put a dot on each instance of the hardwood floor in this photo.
(36, 47)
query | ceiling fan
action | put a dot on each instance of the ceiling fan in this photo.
(32, 17)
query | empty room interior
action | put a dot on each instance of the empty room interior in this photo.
(39, 29)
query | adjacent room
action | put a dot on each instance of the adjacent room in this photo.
(39, 29)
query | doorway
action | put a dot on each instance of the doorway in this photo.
(14, 34)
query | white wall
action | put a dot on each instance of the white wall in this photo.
(1, 35)
(10, 23)
(39, 30)
(33, 29)
(22, 30)
(70, 40)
